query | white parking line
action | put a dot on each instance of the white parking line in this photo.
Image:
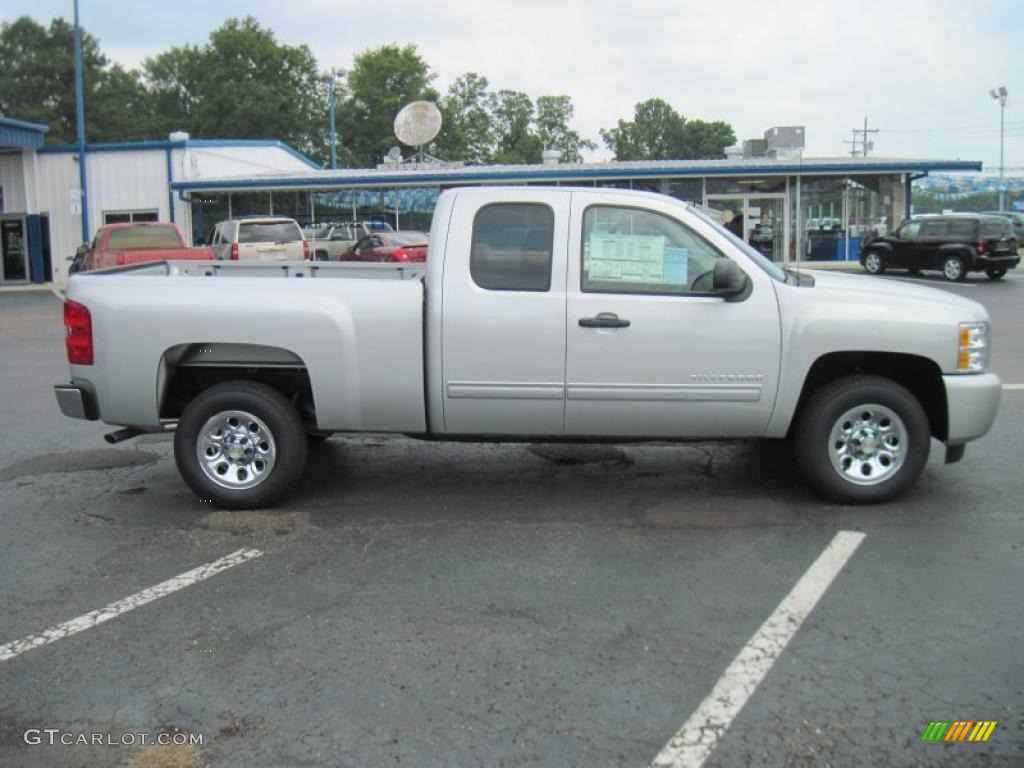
(933, 283)
(91, 619)
(1013, 387)
(692, 743)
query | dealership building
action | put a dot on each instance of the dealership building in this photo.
(792, 208)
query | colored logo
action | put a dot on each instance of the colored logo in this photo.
(959, 730)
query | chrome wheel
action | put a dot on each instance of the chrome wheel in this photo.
(868, 444)
(873, 263)
(236, 450)
(953, 268)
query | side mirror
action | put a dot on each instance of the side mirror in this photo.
(82, 250)
(728, 278)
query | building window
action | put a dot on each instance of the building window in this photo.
(129, 217)
(512, 246)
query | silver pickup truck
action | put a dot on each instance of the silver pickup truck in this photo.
(541, 314)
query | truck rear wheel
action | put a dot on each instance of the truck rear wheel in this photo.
(862, 440)
(241, 445)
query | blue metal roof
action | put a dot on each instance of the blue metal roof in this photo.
(575, 172)
(136, 146)
(18, 133)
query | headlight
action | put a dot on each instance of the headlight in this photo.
(972, 356)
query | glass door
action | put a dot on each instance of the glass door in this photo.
(13, 251)
(760, 220)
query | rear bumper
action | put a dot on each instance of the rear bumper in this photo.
(1003, 261)
(76, 401)
(972, 401)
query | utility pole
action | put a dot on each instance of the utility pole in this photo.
(865, 144)
(1000, 94)
(333, 76)
(80, 129)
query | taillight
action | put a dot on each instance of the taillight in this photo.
(400, 254)
(305, 250)
(981, 246)
(234, 251)
(77, 333)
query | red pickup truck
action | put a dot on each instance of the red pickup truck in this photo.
(116, 245)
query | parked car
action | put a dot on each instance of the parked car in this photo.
(259, 238)
(1017, 219)
(618, 315)
(404, 245)
(116, 245)
(954, 244)
(329, 243)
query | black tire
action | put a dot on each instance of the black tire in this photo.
(954, 268)
(874, 262)
(995, 274)
(278, 416)
(812, 437)
(320, 256)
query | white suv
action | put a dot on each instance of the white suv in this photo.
(264, 238)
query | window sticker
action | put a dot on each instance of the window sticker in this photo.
(675, 264)
(626, 258)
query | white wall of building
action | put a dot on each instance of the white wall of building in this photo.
(12, 179)
(133, 179)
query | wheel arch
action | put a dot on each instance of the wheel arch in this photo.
(916, 373)
(188, 369)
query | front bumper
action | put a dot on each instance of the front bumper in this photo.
(76, 401)
(972, 401)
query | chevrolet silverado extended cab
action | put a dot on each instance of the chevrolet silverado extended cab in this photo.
(541, 314)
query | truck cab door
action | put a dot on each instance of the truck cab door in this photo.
(503, 313)
(651, 350)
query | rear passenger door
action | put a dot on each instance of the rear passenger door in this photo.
(503, 313)
(929, 241)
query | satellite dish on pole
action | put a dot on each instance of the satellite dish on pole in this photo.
(418, 123)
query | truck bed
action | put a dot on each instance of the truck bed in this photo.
(358, 337)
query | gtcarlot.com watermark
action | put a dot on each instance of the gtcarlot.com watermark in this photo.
(55, 736)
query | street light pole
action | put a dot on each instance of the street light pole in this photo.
(80, 126)
(1000, 94)
(333, 76)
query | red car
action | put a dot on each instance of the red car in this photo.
(116, 245)
(403, 246)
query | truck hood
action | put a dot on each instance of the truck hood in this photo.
(840, 287)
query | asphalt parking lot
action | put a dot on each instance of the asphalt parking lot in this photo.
(438, 605)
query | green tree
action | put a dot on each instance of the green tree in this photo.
(38, 84)
(466, 131)
(242, 84)
(658, 132)
(554, 114)
(515, 141)
(380, 83)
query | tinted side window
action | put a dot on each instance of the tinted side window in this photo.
(995, 227)
(961, 228)
(933, 228)
(910, 229)
(628, 250)
(512, 246)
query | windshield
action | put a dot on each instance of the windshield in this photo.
(269, 232)
(135, 238)
(756, 256)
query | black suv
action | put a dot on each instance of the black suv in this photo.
(953, 244)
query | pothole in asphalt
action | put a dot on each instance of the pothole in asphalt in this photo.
(165, 756)
(251, 523)
(571, 454)
(77, 461)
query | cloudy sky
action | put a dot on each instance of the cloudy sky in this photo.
(920, 70)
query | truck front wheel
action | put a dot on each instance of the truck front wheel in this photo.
(240, 445)
(862, 440)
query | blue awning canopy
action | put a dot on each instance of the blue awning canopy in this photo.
(19, 134)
